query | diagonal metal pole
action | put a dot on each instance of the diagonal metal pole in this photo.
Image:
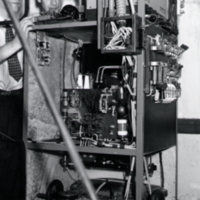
(64, 131)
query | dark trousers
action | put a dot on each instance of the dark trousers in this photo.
(12, 153)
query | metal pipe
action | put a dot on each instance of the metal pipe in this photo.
(111, 8)
(107, 67)
(64, 131)
(147, 175)
(63, 65)
(140, 112)
(132, 7)
(99, 16)
(80, 2)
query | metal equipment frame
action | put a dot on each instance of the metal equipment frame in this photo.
(69, 145)
(63, 129)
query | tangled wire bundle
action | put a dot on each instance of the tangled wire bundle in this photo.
(120, 37)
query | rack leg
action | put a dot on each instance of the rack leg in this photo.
(140, 113)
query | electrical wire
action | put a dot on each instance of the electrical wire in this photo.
(132, 7)
(107, 67)
(133, 103)
(130, 83)
(152, 23)
(98, 72)
(129, 178)
(147, 175)
(113, 180)
(70, 175)
(119, 38)
(63, 67)
(161, 170)
(99, 188)
(6, 136)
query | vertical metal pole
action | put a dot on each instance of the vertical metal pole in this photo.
(99, 16)
(48, 97)
(25, 114)
(176, 168)
(140, 114)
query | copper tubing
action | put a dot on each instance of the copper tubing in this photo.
(64, 131)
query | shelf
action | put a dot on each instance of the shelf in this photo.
(85, 31)
(60, 147)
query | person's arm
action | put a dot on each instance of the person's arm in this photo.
(14, 46)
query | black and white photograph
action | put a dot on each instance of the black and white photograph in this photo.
(99, 99)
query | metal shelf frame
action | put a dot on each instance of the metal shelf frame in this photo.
(138, 153)
(140, 113)
(52, 146)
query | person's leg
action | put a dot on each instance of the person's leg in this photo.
(12, 154)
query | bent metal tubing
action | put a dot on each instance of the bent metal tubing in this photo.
(63, 129)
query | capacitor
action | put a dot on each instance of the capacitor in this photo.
(122, 128)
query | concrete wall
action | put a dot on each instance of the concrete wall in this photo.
(189, 103)
(189, 162)
(189, 23)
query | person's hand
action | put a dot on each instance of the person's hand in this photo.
(26, 26)
(15, 45)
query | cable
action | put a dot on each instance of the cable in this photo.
(119, 38)
(98, 72)
(161, 170)
(70, 175)
(129, 179)
(99, 188)
(130, 83)
(107, 67)
(132, 7)
(151, 23)
(7, 137)
(64, 53)
(147, 175)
